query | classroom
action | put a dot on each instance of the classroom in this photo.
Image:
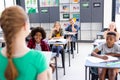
(60, 39)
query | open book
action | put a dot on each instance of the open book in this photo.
(98, 60)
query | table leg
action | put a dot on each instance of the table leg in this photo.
(56, 68)
(69, 52)
(85, 73)
(89, 73)
(77, 47)
(72, 52)
(63, 60)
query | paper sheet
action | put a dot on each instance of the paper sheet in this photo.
(57, 40)
(98, 60)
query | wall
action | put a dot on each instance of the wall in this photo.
(117, 17)
(107, 13)
(91, 18)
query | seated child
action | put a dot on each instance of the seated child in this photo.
(36, 42)
(56, 33)
(108, 48)
(72, 28)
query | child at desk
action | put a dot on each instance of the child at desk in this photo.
(57, 33)
(108, 48)
(72, 28)
(37, 43)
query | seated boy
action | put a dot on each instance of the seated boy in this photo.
(108, 48)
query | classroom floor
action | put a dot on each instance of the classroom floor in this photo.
(77, 69)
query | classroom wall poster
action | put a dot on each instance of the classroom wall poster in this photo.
(64, 16)
(64, 8)
(31, 6)
(76, 17)
(75, 1)
(74, 8)
(64, 1)
(49, 3)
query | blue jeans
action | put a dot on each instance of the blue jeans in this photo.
(57, 49)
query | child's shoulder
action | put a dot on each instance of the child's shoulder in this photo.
(116, 44)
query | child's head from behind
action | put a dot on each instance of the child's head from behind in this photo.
(110, 39)
(38, 34)
(13, 21)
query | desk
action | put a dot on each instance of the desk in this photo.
(48, 55)
(102, 65)
(100, 35)
(71, 34)
(60, 42)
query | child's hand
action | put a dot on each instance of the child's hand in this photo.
(54, 29)
(104, 57)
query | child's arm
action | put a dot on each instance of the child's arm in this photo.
(51, 34)
(114, 54)
(94, 53)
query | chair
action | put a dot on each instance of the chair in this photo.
(62, 57)
(94, 74)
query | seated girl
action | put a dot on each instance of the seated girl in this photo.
(56, 33)
(37, 42)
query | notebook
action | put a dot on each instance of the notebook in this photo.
(98, 60)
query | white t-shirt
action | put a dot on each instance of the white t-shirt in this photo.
(104, 49)
(38, 47)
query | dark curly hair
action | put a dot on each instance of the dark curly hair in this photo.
(111, 33)
(38, 29)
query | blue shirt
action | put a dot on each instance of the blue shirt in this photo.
(69, 28)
